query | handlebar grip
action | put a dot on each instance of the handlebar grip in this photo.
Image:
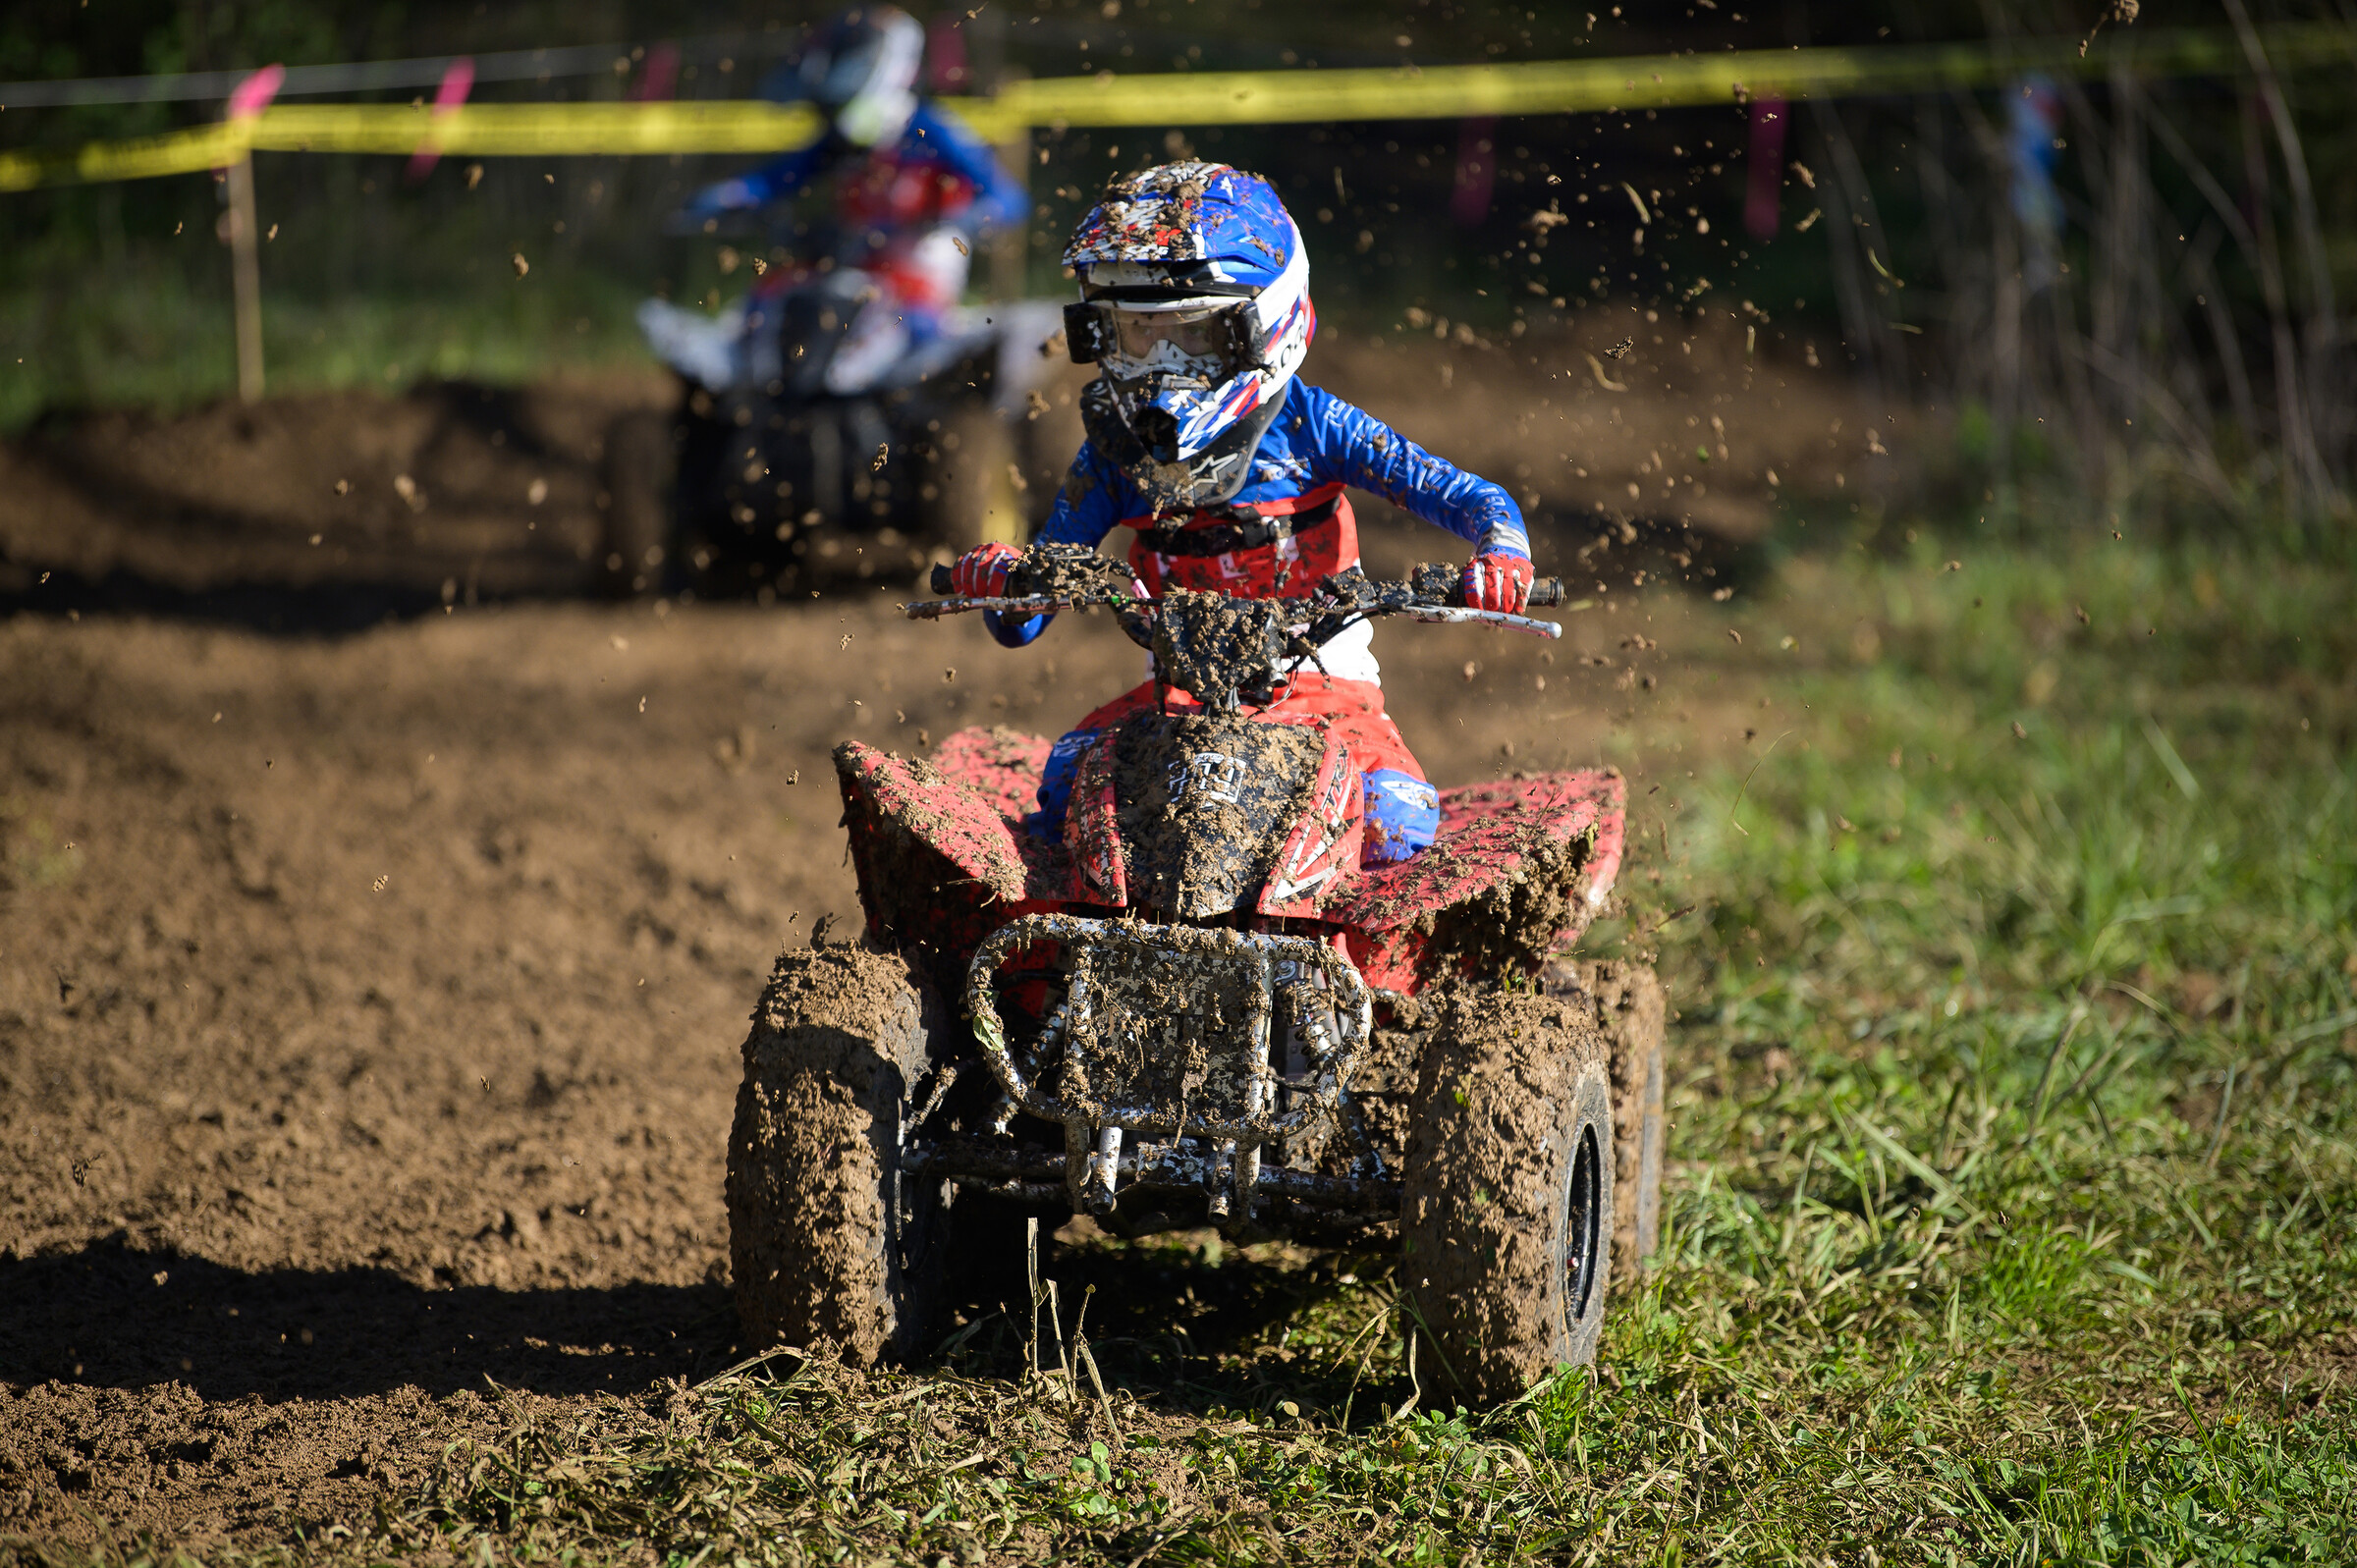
(942, 581)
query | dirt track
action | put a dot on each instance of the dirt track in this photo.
(369, 1005)
(454, 491)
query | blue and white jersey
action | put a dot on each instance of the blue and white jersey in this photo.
(1317, 440)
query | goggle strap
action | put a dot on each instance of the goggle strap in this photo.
(1088, 332)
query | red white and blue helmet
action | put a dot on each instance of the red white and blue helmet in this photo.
(861, 68)
(1194, 303)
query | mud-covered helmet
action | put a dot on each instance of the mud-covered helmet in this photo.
(1194, 303)
(861, 68)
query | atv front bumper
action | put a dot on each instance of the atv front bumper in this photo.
(1174, 1172)
(1176, 1055)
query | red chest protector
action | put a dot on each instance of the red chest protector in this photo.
(894, 191)
(1258, 550)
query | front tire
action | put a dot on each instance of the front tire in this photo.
(829, 1239)
(1507, 1222)
(1626, 1003)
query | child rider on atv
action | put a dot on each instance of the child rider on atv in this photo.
(912, 187)
(1194, 288)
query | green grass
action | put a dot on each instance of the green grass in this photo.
(2014, 1165)
(155, 339)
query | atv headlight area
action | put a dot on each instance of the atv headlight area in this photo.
(1204, 1043)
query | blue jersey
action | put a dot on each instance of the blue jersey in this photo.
(937, 172)
(1317, 440)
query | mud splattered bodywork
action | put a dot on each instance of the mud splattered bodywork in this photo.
(1140, 956)
(1203, 805)
(1518, 869)
(1516, 873)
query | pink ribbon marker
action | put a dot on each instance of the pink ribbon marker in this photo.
(252, 95)
(457, 82)
(1476, 169)
(1765, 194)
(661, 78)
(249, 97)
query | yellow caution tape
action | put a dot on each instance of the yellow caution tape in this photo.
(489, 129)
(533, 130)
(138, 158)
(1588, 87)
(1182, 99)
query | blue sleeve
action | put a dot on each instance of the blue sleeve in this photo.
(1091, 501)
(1354, 446)
(1095, 497)
(777, 179)
(998, 200)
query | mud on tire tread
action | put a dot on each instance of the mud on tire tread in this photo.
(824, 1240)
(1627, 1003)
(1507, 1086)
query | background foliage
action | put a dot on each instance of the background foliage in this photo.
(2181, 361)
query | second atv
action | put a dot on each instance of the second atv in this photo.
(764, 477)
(1196, 1006)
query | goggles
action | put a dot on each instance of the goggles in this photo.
(1225, 332)
(1192, 332)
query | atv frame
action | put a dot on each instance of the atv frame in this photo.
(1197, 1008)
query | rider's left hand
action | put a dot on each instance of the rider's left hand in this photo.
(1497, 581)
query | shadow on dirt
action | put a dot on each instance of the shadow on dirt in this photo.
(110, 1315)
(314, 513)
(1187, 1324)
(1592, 558)
(1173, 1321)
(334, 608)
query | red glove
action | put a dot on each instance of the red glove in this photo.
(981, 573)
(1497, 581)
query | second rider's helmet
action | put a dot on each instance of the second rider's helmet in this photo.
(1194, 303)
(861, 68)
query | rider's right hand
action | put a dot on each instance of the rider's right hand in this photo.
(981, 573)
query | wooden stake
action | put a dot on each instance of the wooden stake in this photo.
(245, 276)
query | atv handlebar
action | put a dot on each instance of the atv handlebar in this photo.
(1139, 610)
(1545, 592)
(1229, 649)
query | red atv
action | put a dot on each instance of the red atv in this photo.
(1196, 1007)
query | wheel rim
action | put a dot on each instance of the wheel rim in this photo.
(1583, 1202)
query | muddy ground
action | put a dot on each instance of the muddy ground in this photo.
(369, 999)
